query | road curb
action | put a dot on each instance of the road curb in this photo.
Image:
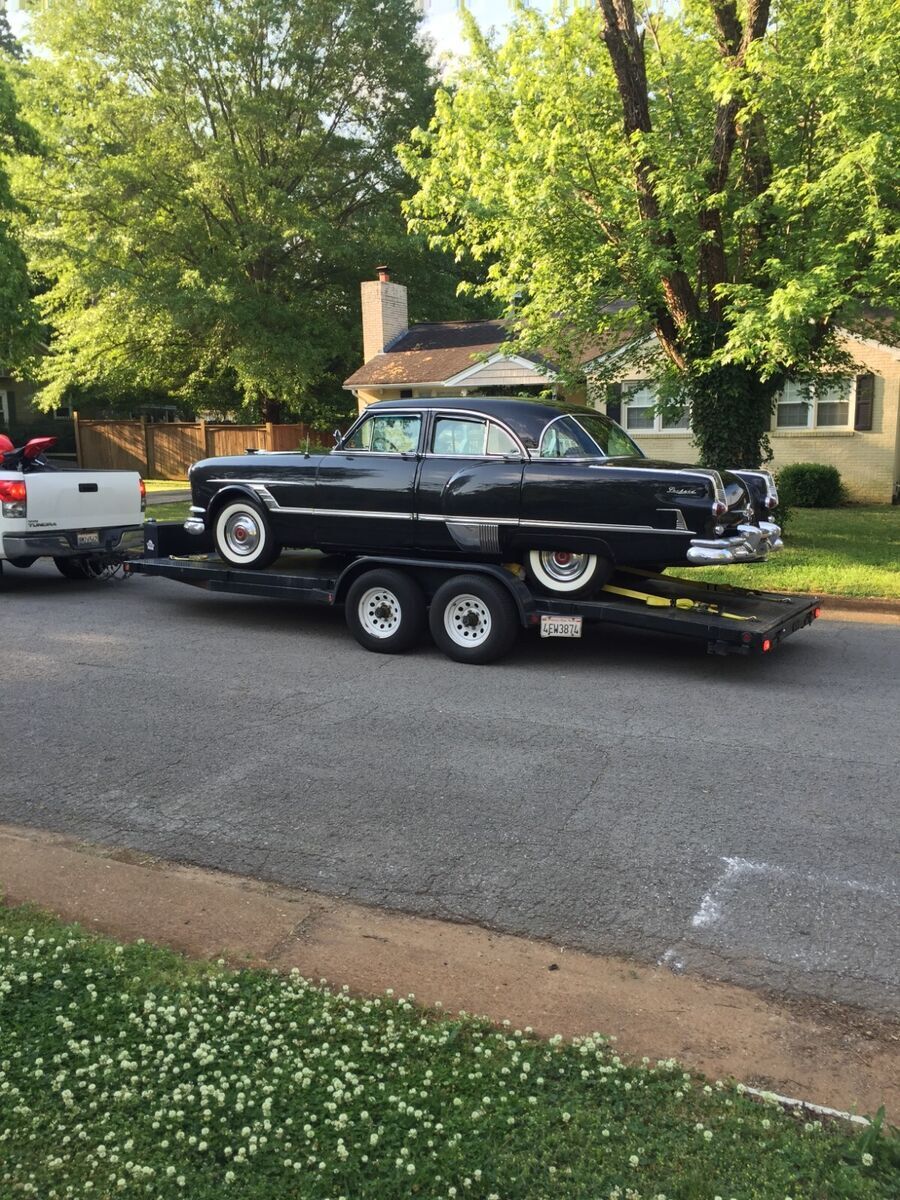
(837, 1057)
(861, 604)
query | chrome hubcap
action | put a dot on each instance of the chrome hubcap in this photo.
(242, 534)
(467, 620)
(379, 612)
(564, 566)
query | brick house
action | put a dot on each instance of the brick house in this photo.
(855, 426)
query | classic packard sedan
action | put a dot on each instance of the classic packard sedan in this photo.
(557, 488)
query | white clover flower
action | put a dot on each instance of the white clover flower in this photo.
(867, 1160)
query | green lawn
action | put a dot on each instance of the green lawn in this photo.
(851, 551)
(167, 512)
(130, 1072)
(166, 485)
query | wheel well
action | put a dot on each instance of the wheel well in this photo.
(220, 499)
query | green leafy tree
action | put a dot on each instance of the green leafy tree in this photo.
(18, 316)
(727, 169)
(219, 175)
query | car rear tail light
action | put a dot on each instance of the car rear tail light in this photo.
(13, 497)
(143, 488)
(817, 612)
(719, 508)
(767, 645)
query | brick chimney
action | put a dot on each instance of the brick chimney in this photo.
(384, 313)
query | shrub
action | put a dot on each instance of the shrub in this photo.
(811, 485)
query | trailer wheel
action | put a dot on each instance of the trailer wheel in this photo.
(473, 619)
(385, 611)
(243, 535)
(564, 573)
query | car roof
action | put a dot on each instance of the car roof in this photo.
(525, 417)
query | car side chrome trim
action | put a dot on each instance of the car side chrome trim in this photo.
(582, 525)
(468, 520)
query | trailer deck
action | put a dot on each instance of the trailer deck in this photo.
(727, 619)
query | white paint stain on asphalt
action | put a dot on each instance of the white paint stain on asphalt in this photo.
(730, 914)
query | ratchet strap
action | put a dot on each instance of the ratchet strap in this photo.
(699, 606)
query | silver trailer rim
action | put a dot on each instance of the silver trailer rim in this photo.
(242, 535)
(379, 612)
(467, 620)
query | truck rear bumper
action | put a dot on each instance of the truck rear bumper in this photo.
(127, 539)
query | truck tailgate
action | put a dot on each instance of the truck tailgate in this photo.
(83, 499)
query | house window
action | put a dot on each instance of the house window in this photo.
(803, 407)
(62, 413)
(4, 409)
(638, 409)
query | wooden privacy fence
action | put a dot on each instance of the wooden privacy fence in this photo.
(166, 450)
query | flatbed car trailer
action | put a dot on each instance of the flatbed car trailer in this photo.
(475, 610)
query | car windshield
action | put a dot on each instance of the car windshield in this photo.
(587, 435)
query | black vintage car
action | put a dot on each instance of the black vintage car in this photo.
(558, 488)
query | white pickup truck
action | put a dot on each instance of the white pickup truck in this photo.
(83, 520)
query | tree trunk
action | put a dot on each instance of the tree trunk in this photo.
(270, 410)
(730, 415)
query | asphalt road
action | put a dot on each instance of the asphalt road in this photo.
(733, 817)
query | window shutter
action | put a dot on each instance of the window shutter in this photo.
(865, 401)
(614, 402)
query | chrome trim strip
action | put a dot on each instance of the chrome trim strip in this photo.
(591, 526)
(346, 512)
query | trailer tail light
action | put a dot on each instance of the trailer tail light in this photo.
(13, 497)
(143, 488)
(767, 645)
(817, 612)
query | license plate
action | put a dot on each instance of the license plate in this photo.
(561, 626)
(88, 539)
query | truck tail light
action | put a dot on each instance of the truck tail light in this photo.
(13, 497)
(143, 488)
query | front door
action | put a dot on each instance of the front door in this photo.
(365, 492)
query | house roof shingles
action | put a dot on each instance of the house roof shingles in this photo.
(432, 353)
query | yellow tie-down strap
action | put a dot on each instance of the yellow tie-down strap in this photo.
(682, 602)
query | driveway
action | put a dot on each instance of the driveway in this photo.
(731, 817)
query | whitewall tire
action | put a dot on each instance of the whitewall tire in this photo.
(564, 573)
(243, 535)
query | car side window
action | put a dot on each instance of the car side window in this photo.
(500, 442)
(559, 442)
(458, 435)
(386, 434)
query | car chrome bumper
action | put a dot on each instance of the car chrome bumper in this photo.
(751, 544)
(196, 522)
(120, 539)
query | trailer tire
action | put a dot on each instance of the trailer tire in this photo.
(243, 536)
(385, 611)
(473, 619)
